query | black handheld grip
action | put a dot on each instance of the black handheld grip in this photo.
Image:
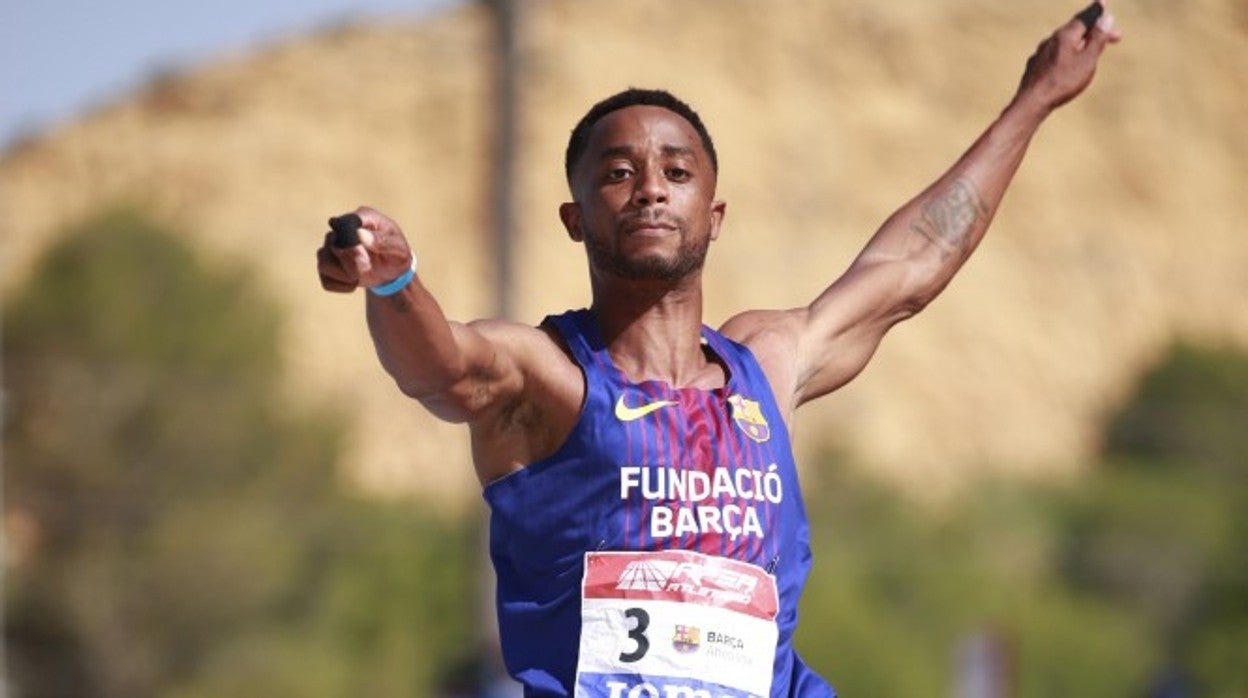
(346, 230)
(1090, 14)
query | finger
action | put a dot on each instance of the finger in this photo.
(357, 258)
(335, 286)
(330, 266)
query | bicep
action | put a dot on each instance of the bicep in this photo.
(491, 371)
(841, 330)
(810, 351)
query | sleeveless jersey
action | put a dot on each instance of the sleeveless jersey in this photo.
(669, 478)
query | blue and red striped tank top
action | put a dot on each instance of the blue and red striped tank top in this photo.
(647, 467)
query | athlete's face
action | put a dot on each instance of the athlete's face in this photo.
(644, 196)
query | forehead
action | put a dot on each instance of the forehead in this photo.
(643, 127)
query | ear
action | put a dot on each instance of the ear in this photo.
(570, 214)
(718, 208)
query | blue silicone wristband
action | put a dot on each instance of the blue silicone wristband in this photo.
(397, 284)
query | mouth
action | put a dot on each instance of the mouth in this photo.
(648, 227)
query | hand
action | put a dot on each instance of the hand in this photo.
(382, 255)
(1064, 63)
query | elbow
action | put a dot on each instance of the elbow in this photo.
(443, 401)
(456, 396)
(425, 385)
(425, 388)
(906, 308)
(414, 391)
(917, 302)
(911, 306)
(922, 286)
(922, 296)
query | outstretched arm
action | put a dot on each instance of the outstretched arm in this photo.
(457, 371)
(922, 245)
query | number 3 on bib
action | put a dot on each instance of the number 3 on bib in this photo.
(675, 623)
(637, 634)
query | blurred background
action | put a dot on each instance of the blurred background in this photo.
(1038, 488)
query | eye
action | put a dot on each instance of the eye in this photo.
(678, 174)
(618, 174)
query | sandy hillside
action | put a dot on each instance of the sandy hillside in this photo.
(1122, 231)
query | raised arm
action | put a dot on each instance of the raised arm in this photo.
(813, 350)
(459, 372)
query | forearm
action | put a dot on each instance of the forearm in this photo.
(414, 341)
(935, 233)
(919, 248)
(939, 229)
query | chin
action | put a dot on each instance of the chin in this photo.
(656, 268)
(650, 264)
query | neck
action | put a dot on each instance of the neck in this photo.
(653, 329)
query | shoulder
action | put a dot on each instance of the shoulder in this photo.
(766, 331)
(774, 338)
(539, 410)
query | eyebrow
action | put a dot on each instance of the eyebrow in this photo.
(628, 150)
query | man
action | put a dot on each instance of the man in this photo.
(647, 529)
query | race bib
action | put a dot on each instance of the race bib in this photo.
(675, 624)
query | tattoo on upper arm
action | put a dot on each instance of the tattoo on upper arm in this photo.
(949, 217)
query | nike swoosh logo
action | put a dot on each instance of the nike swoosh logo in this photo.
(624, 413)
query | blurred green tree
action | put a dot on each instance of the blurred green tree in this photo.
(1161, 531)
(899, 590)
(1134, 577)
(175, 527)
(1190, 411)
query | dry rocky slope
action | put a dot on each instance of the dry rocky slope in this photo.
(1123, 230)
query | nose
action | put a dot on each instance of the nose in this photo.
(651, 187)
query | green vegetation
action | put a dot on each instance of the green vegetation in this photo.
(175, 530)
(1135, 575)
(178, 531)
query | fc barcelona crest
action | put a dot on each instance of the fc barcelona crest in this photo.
(687, 638)
(748, 416)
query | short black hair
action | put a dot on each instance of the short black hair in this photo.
(630, 98)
